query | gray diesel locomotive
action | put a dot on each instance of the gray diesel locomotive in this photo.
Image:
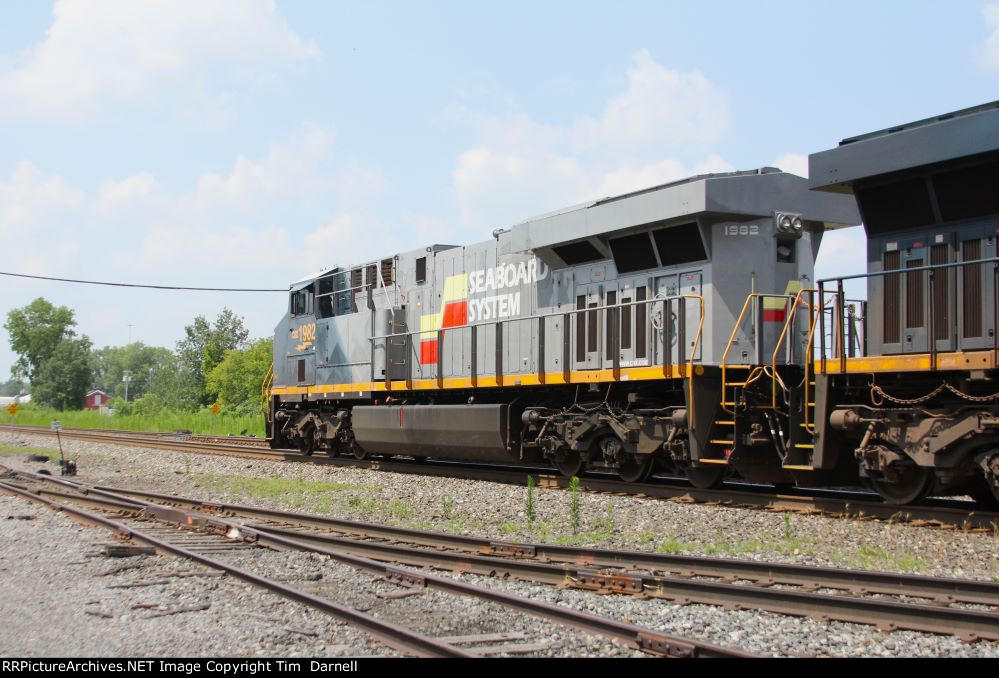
(592, 337)
(680, 327)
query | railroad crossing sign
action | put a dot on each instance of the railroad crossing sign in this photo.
(215, 408)
(13, 409)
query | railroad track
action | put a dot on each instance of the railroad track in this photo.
(944, 513)
(200, 537)
(967, 609)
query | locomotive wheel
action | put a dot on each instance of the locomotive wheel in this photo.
(704, 477)
(359, 454)
(569, 463)
(635, 468)
(914, 483)
(985, 494)
(308, 444)
(985, 489)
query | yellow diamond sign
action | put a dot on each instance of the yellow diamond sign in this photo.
(13, 409)
(215, 408)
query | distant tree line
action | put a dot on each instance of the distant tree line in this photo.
(214, 362)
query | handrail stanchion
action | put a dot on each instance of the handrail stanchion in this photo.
(933, 319)
(614, 318)
(822, 326)
(499, 353)
(541, 349)
(840, 300)
(440, 358)
(475, 355)
(681, 334)
(667, 330)
(409, 360)
(566, 347)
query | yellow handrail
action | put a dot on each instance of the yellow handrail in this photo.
(783, 335)
(731, 340)
(265, 392)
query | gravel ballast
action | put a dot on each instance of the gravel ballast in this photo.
(499, 511)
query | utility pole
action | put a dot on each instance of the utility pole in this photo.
(126, 377)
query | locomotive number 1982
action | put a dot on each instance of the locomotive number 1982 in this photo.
(742, 229)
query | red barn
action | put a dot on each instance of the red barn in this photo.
(95, 400)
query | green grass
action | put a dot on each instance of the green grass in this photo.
(401, 509)
(15, 451)
(196, 422)
(295, 490)
(868, 557)
(673, 545)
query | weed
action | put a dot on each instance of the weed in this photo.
(530, 510)
(647, 537)
(509, 528)
(609, 517)
(401, 509)
(447, 502)
(363, 505)
(574, 519)
(674, 545)
(787, 527)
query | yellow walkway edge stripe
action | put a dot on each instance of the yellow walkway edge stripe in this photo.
(491, 381)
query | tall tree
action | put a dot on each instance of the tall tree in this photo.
(204, 346)
(140, 361)
(35, 332)
(13, 387)
(237, 379)
(62, 381)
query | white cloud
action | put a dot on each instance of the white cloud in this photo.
(671, 169)
(989, 50)
(123, 49)
(654, 132)
(668, 108)
(795, 163)
(359, 237)
(137, 190)
(357, 186)
(30, 197)
(38, 225)
(289, 169)
(211, 253)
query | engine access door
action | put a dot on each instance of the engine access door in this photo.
(586, 327)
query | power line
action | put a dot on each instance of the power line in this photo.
(148, 287)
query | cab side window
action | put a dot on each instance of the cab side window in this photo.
(299, 302)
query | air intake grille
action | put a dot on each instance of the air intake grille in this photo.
(941, 293)
(973, 303)
(893, 300)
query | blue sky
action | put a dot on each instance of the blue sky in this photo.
(246, 142)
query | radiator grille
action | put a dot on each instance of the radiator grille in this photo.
(973, 304)
(941, 293)
(893, 294)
